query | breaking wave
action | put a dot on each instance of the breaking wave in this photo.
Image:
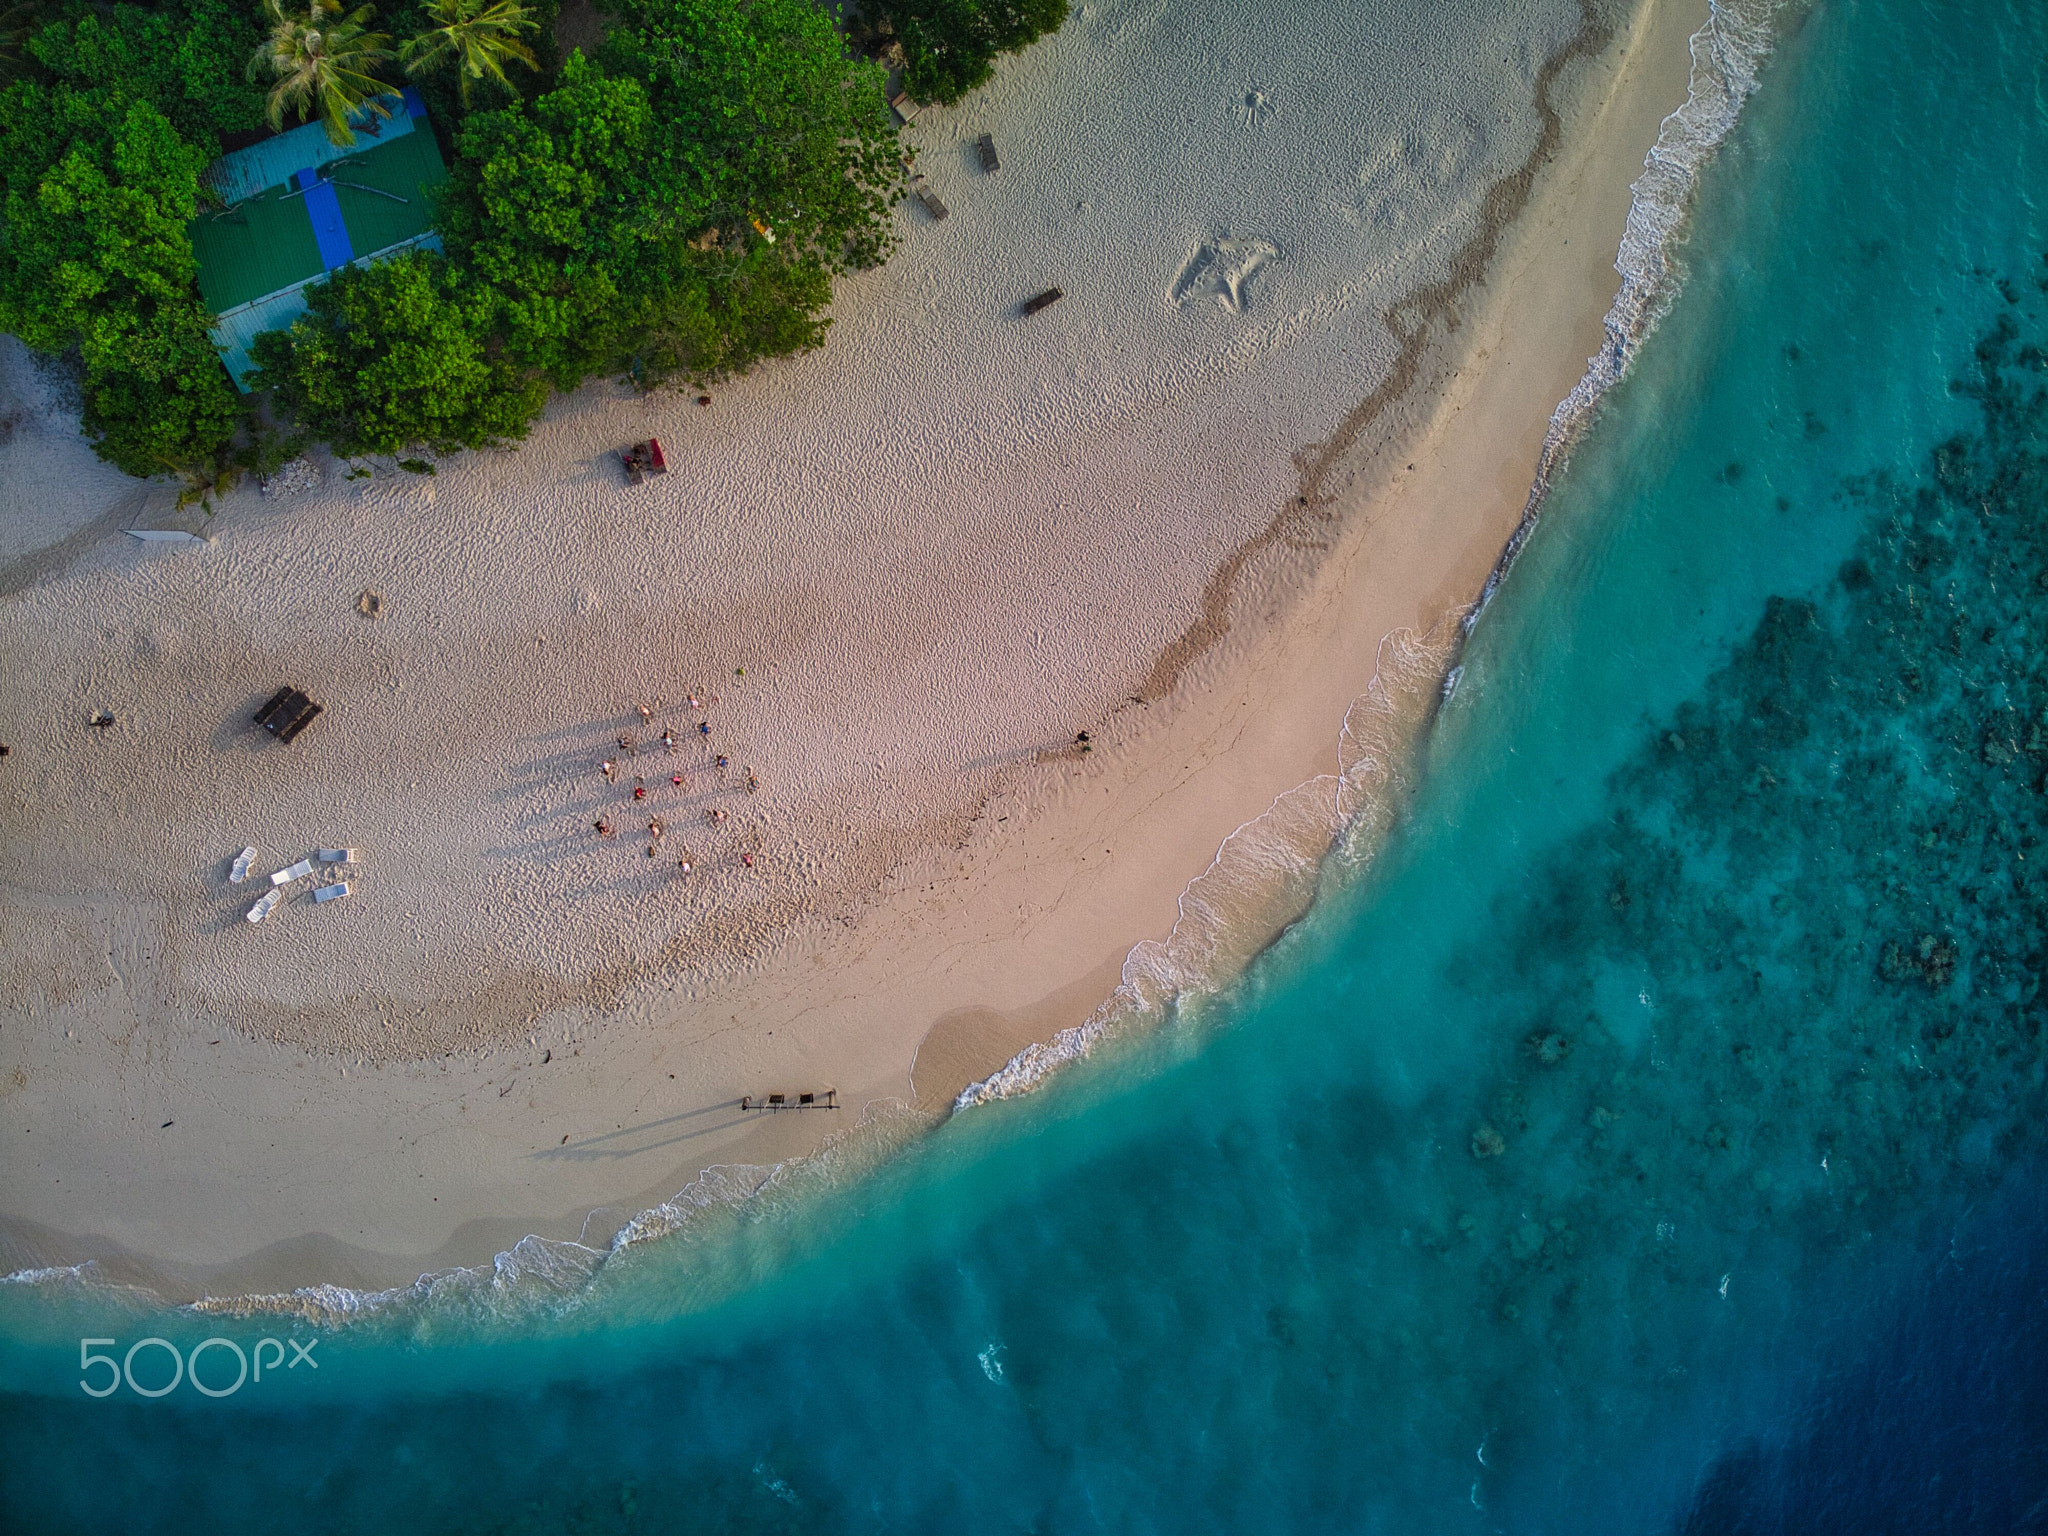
(1728, 54)
(552, 1284)
(1268, 870)
(1266, 874)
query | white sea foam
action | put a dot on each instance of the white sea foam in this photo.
(1268, 866)
(1728, 54)
(80, 1282)
(1263, 877)
(56, 1274)
(540, 1281)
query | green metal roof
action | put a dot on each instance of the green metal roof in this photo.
(234, 333)
(262, 244)
(409, 168)
(327, 207)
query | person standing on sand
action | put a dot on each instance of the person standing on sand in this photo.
(668, 740)
(604, 828)
(610, 770)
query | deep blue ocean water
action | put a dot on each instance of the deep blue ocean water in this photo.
(1651, 1140)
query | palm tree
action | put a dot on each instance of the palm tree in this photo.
(477, 35)
(322, 62)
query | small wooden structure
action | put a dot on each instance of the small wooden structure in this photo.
(287, 713)
(781, 1101)
(1038, 301)
(644, 459)
(985, 146)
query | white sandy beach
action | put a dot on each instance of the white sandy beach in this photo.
(1180, 510)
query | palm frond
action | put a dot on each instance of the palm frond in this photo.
(323, 63)
(477, 36)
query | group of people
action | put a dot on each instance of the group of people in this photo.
(713, 815)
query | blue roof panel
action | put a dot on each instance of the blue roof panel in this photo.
(324, 209)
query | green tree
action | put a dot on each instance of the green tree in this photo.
(765, 123)
(732, 311)
(94, 255)
(553, 209)
(395, 354)
(322, 62)
(477, 36)
(685, 218)
(950, 46)
(184, 58)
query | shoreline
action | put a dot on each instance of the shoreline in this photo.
(1726, 53)
(1249, 708)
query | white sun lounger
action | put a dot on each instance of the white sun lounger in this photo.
(263, 905)
(338, 855)
(298, 871)
(330, 892)
(241, 870)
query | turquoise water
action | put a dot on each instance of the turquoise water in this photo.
(1653, 1140)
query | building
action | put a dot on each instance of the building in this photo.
(297, 206)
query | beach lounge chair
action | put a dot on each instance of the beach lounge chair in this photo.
(337, 855)
(241, 870)
(986, 147)
(1038, 301)
(331, 892)
(263, 905)
(287, 713)
(930, 199)
(904, 108)
(297, 872)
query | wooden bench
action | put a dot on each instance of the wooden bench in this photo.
(287, 713)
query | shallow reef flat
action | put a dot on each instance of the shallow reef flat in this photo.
(1786, 993)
